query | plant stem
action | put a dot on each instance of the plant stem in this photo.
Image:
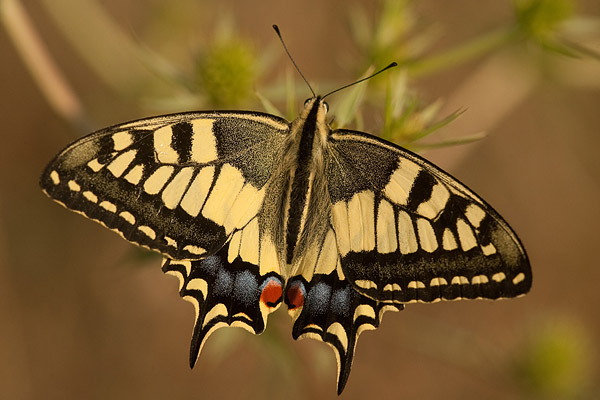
(41, 66)
(462, 53)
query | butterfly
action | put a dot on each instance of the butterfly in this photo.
(251, 211)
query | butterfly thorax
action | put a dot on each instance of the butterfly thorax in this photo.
(306, 192)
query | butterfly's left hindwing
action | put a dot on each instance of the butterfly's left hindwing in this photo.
(178, 184)
(226, 291)
(407, 231)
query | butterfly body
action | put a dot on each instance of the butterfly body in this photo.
(251, 211)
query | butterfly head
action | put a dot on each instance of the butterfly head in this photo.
(312, 120)
(314, 115)
(309, 103)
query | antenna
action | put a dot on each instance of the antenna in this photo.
(292, 60)
(394, 64)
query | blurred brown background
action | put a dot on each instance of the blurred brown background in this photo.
(82, 315)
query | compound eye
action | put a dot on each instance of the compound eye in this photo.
(326, 106)
(306, 101)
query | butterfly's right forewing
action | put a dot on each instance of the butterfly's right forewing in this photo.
(407, 231)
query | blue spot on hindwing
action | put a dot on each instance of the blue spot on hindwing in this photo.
(318, 298)
(223, 283)
(340, 301)
(245, 288)
(211, 265)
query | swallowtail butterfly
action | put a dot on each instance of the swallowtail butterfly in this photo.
(251, 211)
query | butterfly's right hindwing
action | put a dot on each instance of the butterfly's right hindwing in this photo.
(178, 184)
(328, 308)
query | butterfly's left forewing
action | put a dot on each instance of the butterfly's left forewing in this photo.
(179, 184)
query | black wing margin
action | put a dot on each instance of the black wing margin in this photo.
(407, 231)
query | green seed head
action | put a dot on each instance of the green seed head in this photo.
(226, 72)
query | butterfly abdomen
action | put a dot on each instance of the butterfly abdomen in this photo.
(305, 168)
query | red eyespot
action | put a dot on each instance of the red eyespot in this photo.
(271, 293)
(295, 295)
